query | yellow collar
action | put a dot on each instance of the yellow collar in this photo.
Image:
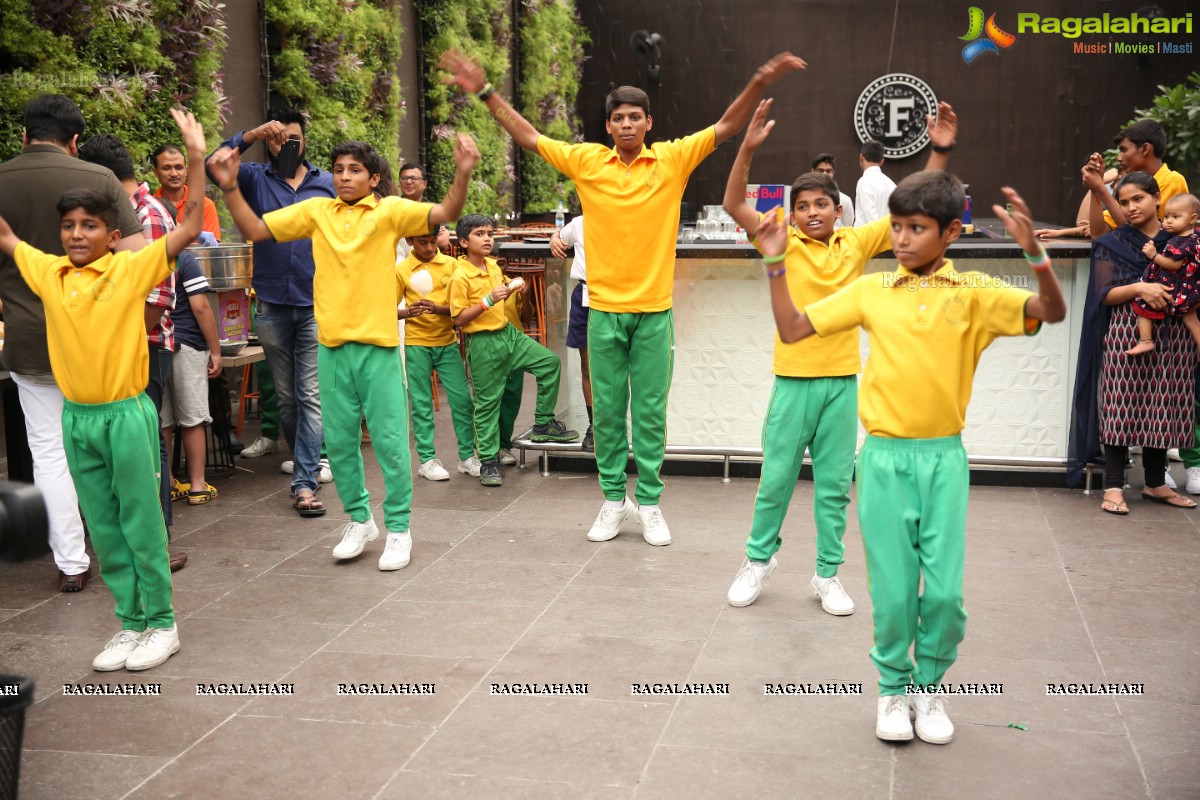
(946, 275)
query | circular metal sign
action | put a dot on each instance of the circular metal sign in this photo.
(892, 110)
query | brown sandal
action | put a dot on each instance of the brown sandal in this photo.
(1172, 499)
(1114, 506)
(307, 504)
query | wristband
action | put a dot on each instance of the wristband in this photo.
(230, 190)
(937, 148)
(1039, 262)
(486, 92)
(487, 301)
(777, 273)
(774, 259)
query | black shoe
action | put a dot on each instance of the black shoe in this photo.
(553, 431)
(490, 473)
(589, 441)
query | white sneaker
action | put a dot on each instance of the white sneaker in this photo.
(432, 470)
(1193, 480)
(324, 474)
(287, 467)
(892, 722)
(506, 458)
(654, 527)
(470, 466)
(155, 647)
(833, 597)
(397, 550)
(749, 580)
(933, 725)
(1173, 454)
(260, 447)
(116, 652)
(354, 538)
(1168, 481)
(608, 521)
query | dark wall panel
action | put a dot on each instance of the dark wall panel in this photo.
(1029, 116)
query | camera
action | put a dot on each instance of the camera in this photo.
(24, 526)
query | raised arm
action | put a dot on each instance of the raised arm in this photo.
(223, 165)
(469, 77)
(1100, 199)
(739, 111)
(793, 324)
(1049, 304)
(466, 156)
(943, 132)
(192, 222)
(735, 187)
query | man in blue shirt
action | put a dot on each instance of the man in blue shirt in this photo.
(283, 279)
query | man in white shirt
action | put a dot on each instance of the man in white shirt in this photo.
(571, 235)
(825, 164)
(874, 188)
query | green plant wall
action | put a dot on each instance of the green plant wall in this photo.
(552, 44)
(482, 30)
(336, 61)
(126, 62)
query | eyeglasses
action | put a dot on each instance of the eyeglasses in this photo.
(412, 179)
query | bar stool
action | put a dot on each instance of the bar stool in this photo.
(249, 391)
(533, 271)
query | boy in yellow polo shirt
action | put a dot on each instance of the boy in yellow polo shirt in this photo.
(355, 292)
(814, 401)
(431, 345)
(928, 325)
(631, 193)
(110, 427)
(481, 302)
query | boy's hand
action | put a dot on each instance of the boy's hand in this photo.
(1019, 222)
(464, 72)
(1093, 174)
(500, 294)
(223, 165)
(772, 233)
(1149, 250)
(942, 129)
(557, 248)
(779, 66)
(760, 127)
(214, 364)
(193, 133)
(466, 152)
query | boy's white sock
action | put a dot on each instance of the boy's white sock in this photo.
(648, 509)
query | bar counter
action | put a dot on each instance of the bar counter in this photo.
(725, 334)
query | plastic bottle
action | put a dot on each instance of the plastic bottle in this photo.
(558, 215)
(968, 227)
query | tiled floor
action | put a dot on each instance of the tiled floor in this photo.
(503, 588)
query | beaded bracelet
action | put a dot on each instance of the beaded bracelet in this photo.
(1039, 262)
(777, 273)
(486, 92)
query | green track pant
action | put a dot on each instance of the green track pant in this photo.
(510, 406)
(112, 454)
(912, 509)
(493, 357)
(630, 361)
(357, 379)
(820, 414)
(422, 361)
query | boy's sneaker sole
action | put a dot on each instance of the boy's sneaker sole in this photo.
(544, 437)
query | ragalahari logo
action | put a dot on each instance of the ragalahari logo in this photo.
(996, 38)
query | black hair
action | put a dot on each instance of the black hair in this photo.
(872, 151)
(469, 223)
(361, 152)
(163, 148)
(53, 118)
(91, 201)
(1143, 180)
(626, 95)
(109, 151)
(823, 158)
(931, 192)
(386, 186)
(286, 116)
(1145, 131)
(818, 181)
(407, 165)
(1193, 202)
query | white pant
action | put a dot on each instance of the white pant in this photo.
(43, 407)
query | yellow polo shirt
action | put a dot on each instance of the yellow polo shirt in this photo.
(926, 335)
(95, 327)
(428, 330)
(1170, 183)
(355, 284)
(468, 286)
(815, 271)
(633, 215)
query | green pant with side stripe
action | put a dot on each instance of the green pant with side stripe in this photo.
(912, 509)
(422, 361)
(112, 454)
(630, 361)
(357, 379)
(820, 414)
(493, 357)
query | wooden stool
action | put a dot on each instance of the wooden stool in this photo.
(533, 271)
(246, 393)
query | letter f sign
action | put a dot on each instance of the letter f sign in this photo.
(898, 110)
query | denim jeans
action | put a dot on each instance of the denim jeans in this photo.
(160, 373)
(288, 335)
